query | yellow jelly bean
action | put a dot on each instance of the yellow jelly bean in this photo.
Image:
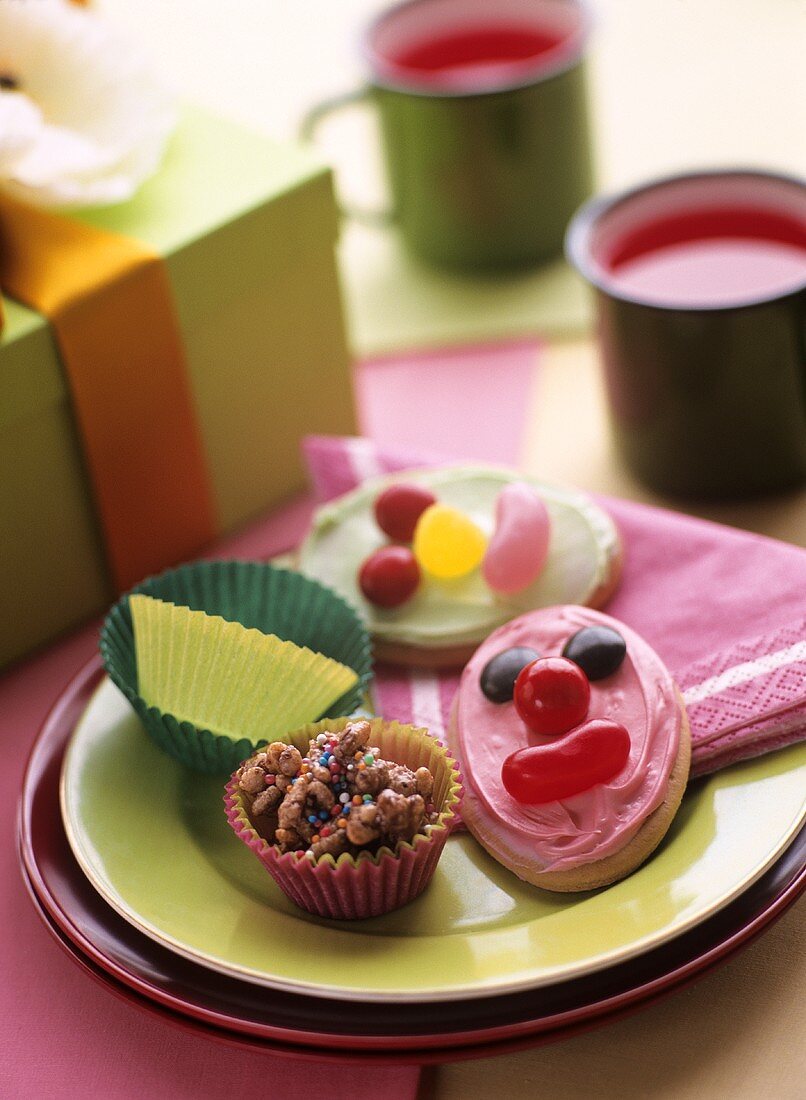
(447, 543)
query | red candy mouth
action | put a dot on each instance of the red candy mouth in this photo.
(593, 753)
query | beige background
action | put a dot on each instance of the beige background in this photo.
(676, 84)
(736, 1034)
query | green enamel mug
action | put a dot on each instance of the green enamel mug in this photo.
(484, 123)
(700, 285)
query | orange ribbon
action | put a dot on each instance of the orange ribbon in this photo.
(109, 301)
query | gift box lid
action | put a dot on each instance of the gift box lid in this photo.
(215, 174)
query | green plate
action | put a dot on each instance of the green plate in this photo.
(154, 841)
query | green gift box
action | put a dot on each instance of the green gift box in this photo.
(246, 228)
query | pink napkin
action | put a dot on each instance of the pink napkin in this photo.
(725, 609)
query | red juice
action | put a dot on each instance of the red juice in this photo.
(716, 257)
(487, 53)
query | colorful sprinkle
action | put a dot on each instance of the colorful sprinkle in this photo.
(362, 766)
(313, 819)
(357, 800)
(326, 831)
(270, 779)
(367, 797)
(344, 797)
(336, 810)
(342, 824)
(369, 758)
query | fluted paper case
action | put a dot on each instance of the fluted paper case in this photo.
(372, 883)
(270, 599)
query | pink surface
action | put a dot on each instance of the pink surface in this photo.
(64, 1037)
(61, 1036)
(725, 609)
(461, 402)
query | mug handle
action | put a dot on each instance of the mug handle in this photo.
(307, 130)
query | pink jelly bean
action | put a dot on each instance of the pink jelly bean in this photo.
(518, 550)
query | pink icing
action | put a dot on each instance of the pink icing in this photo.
(595, 824)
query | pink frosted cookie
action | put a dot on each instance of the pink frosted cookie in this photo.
(574, 748)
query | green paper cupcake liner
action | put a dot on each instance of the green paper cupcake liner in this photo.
(234, 680)
(270, 599)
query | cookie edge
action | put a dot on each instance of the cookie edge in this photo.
(613, 868)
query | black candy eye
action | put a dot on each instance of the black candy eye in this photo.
(500, 673)
(598, 650)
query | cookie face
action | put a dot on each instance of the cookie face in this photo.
(559, 801)
(579, 563)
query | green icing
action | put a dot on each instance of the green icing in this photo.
(581, 551)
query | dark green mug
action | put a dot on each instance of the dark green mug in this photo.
(484, 120)
(700, 285)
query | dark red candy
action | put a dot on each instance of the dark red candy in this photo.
(398, 508)
(390, 576)
(552, 695)
(592, 754)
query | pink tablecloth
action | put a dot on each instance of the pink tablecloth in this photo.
(62, 1036)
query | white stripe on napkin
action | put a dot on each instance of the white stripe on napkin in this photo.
(744, 673)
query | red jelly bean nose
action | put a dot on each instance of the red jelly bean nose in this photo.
(552, 695)
(592, 754)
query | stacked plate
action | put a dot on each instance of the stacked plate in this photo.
(143, 883)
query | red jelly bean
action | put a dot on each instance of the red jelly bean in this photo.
(592, 754)
(552, 695)
(398, 508)
(390, 576)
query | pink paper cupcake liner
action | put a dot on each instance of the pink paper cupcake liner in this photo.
(352, 888)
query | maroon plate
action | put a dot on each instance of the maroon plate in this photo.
(390, 1052)
(150, 974)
